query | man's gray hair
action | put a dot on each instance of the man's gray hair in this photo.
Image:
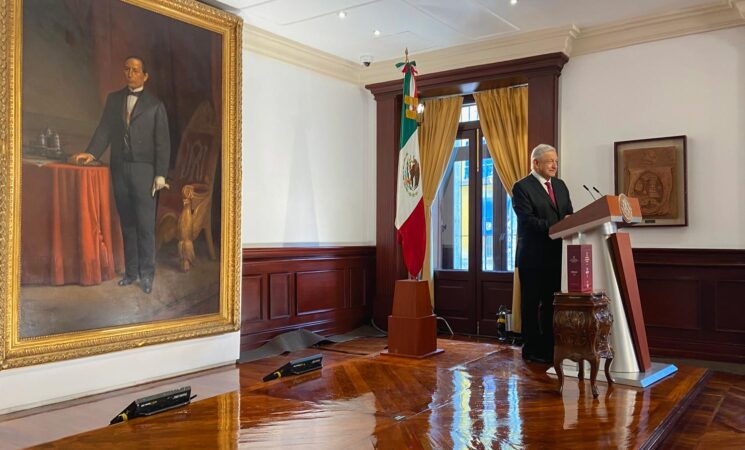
(539, 150)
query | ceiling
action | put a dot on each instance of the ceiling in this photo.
(425, 25)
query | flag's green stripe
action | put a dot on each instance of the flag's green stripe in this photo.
(408, 126)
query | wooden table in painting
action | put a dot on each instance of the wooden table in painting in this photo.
(581, 326)
(70, 231)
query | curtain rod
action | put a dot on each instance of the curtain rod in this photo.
(437, 97)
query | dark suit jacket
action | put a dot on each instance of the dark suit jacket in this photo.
(535, 215)
(148, 132)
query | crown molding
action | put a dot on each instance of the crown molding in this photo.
(552, 40)
(569, 40)
(739, 5)
(256, 40)
(662, 26)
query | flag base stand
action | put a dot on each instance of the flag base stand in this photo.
(412, 328)
(388, 354)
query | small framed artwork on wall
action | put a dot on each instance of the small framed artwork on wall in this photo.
(654, 171)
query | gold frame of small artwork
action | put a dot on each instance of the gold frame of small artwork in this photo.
(655, 172)
(16, 351)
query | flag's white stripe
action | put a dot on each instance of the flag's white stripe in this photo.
(406, 203)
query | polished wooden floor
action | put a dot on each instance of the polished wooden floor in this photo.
(716, 417)
(474, 395)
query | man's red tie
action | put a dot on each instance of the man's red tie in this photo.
(550, 192)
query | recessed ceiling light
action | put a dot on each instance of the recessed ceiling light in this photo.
(342, 14)
(513, 2)
(376, 33)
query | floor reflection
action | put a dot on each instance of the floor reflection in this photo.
(316, 426)
(461, 430)
(472, 396)
(483, 412)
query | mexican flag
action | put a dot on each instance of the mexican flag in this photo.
(409, 200)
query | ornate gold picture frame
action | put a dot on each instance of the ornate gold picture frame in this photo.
(654, 171)
(91, 260)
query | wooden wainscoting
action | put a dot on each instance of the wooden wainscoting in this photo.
(470, 306)
(693, 302)
(327, 290)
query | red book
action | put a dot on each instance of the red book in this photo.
(579, 268)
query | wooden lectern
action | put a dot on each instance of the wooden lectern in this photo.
(614, 274)
(412, 328)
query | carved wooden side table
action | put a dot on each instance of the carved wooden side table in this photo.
(581, 326)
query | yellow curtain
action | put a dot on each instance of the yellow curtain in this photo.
(503, 114)
(436, 138)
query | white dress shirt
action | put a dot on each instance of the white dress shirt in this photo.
(131, 101)
(541, 180)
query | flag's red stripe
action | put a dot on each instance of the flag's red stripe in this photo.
(412, 236)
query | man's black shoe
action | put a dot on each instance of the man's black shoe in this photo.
(147, 285)
(126, 281)
(538, 359)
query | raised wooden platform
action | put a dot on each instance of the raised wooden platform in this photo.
(472, 395)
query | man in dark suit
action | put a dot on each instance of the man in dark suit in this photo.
(540, 200)
(135, 125)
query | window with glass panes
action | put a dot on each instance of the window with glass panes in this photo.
(497, 223)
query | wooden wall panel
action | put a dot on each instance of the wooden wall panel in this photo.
(671, 303)
(357, 283)
(452, 304)
(252, 299)
(327, 290)
(729, 300)
(319, 291)
(693, 301)
(279, 295)
(450, 295)
(495, 294)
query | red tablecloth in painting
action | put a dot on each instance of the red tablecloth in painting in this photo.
(70, 232)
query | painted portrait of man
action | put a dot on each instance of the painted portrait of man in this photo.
(121, 131)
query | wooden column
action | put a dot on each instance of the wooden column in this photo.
(543, 106)
(389, 260)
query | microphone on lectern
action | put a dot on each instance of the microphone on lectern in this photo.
(589, 192)
(596, 190)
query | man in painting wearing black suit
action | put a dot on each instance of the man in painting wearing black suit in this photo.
(135, 125)
(540, 200)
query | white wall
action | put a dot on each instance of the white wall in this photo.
(692, 85)
(308, 157)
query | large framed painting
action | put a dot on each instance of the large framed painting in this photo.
(654, 171)
(119, 175)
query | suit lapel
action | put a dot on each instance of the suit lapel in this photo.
(559, 194)
(544, 193)
(122, 101)
(140, 106)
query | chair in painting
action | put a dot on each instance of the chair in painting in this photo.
(185, 210)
